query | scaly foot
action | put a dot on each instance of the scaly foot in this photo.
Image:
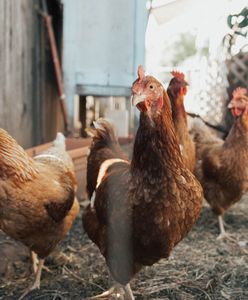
(118, 291)
(36, 284)
(226, 236)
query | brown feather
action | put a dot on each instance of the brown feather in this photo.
(143, 210)
(222, 165)
(37, 204)
(180, 121)
(14, 161)
(104, 146)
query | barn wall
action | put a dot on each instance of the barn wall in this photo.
(29, 103)
(17, 25)
(104, 42)
(51, 116)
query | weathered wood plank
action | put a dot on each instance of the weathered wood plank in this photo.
(29, 104)
(16, 54)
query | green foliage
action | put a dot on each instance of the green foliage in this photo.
(184, 47)
(205, 51)
(240, 20)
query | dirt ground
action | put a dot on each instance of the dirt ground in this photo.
(200, 267)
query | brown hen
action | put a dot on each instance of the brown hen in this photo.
(37, 200)
(176, 90)
(141, 209)
(222, 166)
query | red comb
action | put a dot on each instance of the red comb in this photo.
(239, 92)
(178, 75)
(141, 72)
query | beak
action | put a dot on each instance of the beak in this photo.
(136, 99)
(230, 105)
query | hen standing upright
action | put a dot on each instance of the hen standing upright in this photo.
(140, 209)
(37, 199)
(222, 166)
(176, 90)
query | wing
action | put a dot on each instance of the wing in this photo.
(112, 199)
(58, 210)
(62, 197)
(108, 224)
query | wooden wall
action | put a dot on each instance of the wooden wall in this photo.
(17, 25)
(29, 105)
(51, 117)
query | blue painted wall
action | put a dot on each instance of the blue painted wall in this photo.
(104, 42)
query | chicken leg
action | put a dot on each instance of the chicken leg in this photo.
(35, 261)
(223, 234)
(128, 292)
(221, 227)
(36, 283)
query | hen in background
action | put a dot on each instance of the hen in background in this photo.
(222, 166)
(140, 209)
(104, 146)
(37, 197)
(176, 90)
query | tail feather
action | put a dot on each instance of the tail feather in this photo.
(98, 125)
(57, 153)
(103, 134)
(59, 141)
(104, 146)
(204, 139)
(58, 147)
(201, 133)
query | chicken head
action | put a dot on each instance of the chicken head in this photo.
(148, 93)
(178, 84)
(239, 102)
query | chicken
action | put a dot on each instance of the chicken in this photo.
(142, 208)
(107, 146)
(176, 90)
(222, 166)
(37, 197)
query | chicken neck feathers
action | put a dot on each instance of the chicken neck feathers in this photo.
(179, 117)
(140, 209)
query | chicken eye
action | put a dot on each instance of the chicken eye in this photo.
(151, 86)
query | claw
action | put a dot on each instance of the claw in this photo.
(104, 294)
(226, 236)
(29, 289)
(36, 284)
(118, 291)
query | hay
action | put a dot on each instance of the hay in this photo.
(200, 267)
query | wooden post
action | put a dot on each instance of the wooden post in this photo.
(82, 114)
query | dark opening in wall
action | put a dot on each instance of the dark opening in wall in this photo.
(55, 9)
(51, 117)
